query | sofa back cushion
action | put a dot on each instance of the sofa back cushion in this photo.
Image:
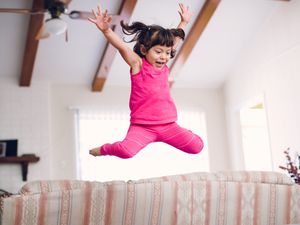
(234, 176)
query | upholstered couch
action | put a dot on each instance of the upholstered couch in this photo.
(229, 198)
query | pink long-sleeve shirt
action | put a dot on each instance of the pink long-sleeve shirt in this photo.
(150, 100)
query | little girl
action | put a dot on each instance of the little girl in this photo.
(153, 112)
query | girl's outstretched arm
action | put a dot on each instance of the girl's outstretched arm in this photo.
(102, 20)
(185, 15)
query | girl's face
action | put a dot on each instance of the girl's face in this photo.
(158, 55)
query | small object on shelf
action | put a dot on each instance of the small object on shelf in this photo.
(2, 149)
(10, 146)
(292, 166)
(29, 155)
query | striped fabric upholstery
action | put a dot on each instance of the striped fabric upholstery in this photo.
(45, 186)
(237, 176)
(236, 203)
(179, 199)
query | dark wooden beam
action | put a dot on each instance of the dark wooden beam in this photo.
(109, 54)
(190, 41)
(31, 47)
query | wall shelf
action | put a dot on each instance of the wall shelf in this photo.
(24, 160)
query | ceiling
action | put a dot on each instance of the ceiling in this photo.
(229, 30)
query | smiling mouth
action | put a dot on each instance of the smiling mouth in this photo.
(160, 64)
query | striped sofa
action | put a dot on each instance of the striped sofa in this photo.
(229, 198)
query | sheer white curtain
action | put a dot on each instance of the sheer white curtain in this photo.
(97, 127)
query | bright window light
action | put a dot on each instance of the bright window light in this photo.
(95, 128)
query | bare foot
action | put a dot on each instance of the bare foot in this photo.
(95, 151)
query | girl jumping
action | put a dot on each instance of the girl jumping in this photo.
(153, 112)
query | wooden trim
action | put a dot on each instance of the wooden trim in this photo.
(109, 54)
(189, 43)
(36, 21)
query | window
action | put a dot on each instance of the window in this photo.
(95, 128)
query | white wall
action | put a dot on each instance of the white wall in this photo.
(270, 66)
(25, 115)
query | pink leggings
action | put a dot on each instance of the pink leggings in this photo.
(138, 136)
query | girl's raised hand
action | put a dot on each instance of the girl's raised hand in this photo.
(185, 13)
(101, 20)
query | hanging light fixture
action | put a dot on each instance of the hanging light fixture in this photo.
(55, 26)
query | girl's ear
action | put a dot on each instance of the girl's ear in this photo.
(143, 50)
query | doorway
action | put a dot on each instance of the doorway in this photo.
(255, 137)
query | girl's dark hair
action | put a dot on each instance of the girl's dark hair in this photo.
(152, 35)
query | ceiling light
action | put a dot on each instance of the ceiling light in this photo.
(55, 26)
